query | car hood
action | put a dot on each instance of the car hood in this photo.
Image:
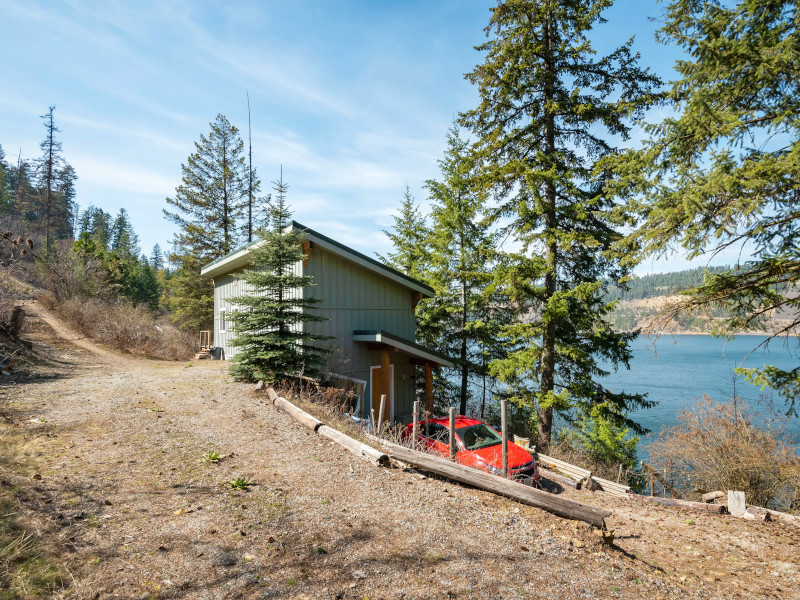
(493, 455)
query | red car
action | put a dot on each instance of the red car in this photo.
(477, 445)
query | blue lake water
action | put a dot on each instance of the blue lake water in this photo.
(676, 370)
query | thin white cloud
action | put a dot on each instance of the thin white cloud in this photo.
(121, 175)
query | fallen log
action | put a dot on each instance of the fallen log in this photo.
(297, 414)
(376, 457)
(580, 473)
(718, 509)
(562, 507)
(781, 516)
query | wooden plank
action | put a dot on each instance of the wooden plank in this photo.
(562, 507)
(381, 413)
(386, 381)
(415, 426)
(364, 451)
(580, 473)
(504, 433)
(451, 433)
(428, 390)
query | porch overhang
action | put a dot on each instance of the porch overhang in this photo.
(383, 339)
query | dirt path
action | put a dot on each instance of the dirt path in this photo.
(117, 444)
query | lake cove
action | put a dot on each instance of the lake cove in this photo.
(676, 370)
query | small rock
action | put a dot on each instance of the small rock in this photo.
(108, 502)
(711, 496)
(260, 385)
(359, 575)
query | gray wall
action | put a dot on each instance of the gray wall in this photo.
(353, 298)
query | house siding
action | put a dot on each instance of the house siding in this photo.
(352, 298)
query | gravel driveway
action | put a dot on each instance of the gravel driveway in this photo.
(114, 473)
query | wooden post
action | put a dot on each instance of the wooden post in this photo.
(386, 378)
(381, 413)
(651, 485)
(428, 390)
(372, 418)
(451, 428)
(415, 430)
(504, 425)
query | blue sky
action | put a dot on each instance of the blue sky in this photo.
(353, 99)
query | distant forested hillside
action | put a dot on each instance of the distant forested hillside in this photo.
(662, 284)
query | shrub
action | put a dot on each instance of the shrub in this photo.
(125, 327)
(718, 446)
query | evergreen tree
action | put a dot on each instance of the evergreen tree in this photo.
(6, 203)
(124, 240)
(725, 170)
(208, 209)
(270, 326)
(157, 258)
(545, 101)
(409, 237)
(96, 223)
(48, 168)
(460, 320)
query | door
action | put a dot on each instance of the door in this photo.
(376, 381)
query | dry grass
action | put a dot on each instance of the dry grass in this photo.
(128, 328)
(717, 446)
(28, 568)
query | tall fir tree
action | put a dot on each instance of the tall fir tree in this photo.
(157, 258)
(545, 101)
(208, 209)
(723, 173)
(462, 319)
(409, 237)
(124, 240)
(48, 168)
(271, 324)
(6, 204)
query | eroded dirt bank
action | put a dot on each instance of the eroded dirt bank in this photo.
(113, 448)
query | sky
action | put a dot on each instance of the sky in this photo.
(351, 99)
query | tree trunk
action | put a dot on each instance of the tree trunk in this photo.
(547, 380)
(464, 367)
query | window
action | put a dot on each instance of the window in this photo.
(223, 326)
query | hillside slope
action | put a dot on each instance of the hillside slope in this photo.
(115, 480)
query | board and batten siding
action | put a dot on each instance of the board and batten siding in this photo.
(227, 287)
(352, 298)
(355, 298)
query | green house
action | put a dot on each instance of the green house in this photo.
(369, 309)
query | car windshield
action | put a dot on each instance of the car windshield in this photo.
(478, 436)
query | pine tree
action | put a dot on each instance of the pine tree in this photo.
(157, 258)
(409, 237)
(96, 223)
(208, 209)
(725, 170)
(461, 319)
(6, 203)
(270, 326)
(124, 240)
(48, 168)
(545, 101)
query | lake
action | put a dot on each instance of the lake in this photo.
(675, 370)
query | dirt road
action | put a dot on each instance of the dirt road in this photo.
(114, 473)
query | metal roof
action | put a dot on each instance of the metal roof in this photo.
(407, 346)
(240, 257)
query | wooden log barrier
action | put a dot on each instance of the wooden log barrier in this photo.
(369, 453)
(718, 509)
(297, 414)
(563, 507)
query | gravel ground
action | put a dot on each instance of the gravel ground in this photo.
(113, 447)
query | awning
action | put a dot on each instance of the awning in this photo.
(411, 348)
